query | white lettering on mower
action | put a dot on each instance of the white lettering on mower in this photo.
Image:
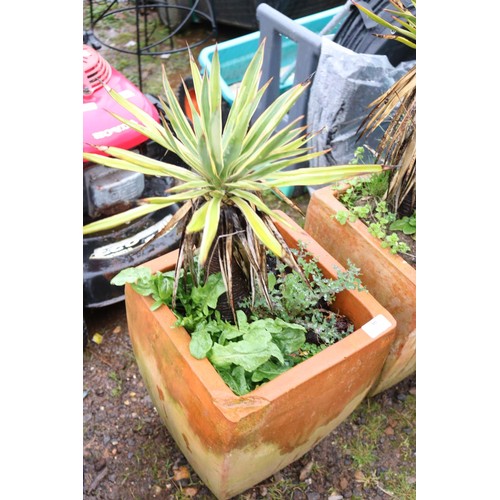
(127, 94)
(126, 246)
(110, 131)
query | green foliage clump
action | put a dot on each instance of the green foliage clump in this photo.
(266, 341)
(364, 200)
(307, 302)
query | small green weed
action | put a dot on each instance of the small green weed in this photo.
(118, 388)
(398, 485)
(408, 225)
(286, 488)
(156, 458)
(369, 480)
(319, 469)
(362, 451)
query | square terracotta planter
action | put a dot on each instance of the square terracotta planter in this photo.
(388, 277)
(234, 442)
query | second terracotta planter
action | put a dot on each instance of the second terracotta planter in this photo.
(234, 442)
(390, 279)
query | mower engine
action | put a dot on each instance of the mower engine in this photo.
(108, 191)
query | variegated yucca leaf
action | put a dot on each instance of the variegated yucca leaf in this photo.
(405, 23)
(120, 219)
(320, 175)
(210, 227)
(128, 160)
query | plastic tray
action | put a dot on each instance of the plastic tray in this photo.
(235, 54)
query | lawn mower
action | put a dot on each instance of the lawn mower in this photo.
(107, 191)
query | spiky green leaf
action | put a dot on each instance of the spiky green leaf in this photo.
(254, 199)
(243, 107)
(153, 128)
(382, 22)
(120, 219)
(210, 230)
(176, 116)
(234, 141)
(139, 163)
(320, 175)
(269, 120)
(260, 229)
(198, 219)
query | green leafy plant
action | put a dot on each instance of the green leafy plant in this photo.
(117, 390)
(368, 186)
(364, 200)
(306, 302)
(266, 341)
(407, 225)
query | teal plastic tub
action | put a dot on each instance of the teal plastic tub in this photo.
(235, 54)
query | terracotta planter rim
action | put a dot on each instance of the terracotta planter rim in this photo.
(307, 369)
(392, 259)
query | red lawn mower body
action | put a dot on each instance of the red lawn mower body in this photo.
(99, 126)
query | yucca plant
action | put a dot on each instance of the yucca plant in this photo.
(226, 225)
(398, 145)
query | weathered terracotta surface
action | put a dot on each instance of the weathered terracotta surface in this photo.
(388, 277)
(235, 442)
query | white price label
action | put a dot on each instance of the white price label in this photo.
(376, 326)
